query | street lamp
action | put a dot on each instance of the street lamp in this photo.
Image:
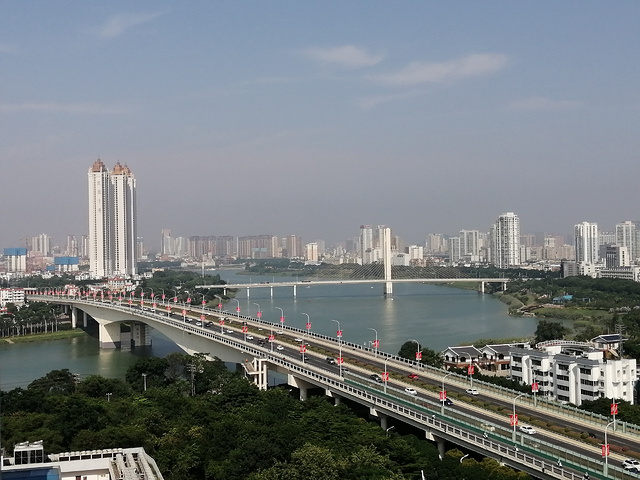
(339, 335)
(418, 353)
(514, 417)
(281, 315)
(307, 325)
(376, 342)
(385, 375)
(259, 312)
(144, 381)
(237, 308)
(605, 449)
(220, 304)
(443, 393)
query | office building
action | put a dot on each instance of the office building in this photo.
(506, 241)
(587, 242)
(112, 221)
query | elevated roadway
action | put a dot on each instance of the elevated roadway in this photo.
(480, 426)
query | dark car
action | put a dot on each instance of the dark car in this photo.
(376, 378)
(331, 360)
(448, 402)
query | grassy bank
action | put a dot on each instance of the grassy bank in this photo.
(38, 337)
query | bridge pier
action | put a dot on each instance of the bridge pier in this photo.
(481, 287)
(295, 291)
(384, 421)
(141, 334)
(248, 293)
(109, 335)
(74, 317)
(440, 444)
(271, 293)
(388, 289)
(84, 319)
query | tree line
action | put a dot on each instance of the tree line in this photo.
(200, 421)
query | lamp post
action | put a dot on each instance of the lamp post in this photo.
(339, 335)
(163, 296)
(307, 325)
(259, 312)
(237, 308)
(281, 315)
(376, 342)
(514, 417)
(385, 375)
(144, 381)
(605, 449)
(443, 393)
(418, 353)
(219, 304)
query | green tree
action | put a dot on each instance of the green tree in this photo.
(547, 330)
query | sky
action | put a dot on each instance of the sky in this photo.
(313, 118)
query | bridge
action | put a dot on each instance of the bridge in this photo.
(352, 373)
(386, 282)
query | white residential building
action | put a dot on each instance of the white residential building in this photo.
(587, 241)
(11, 295)
(626, 237)
(506, 241)
(574, 372)
(112, 221)
(30, 461)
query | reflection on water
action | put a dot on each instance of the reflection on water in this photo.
(436, 316)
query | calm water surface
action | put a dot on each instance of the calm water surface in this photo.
(435, 316)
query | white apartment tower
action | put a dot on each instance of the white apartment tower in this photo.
(626, 237)
(587, 242)
(506, 241)
(112, 221)
(366, 244)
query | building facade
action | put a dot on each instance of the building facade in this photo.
(112, 221)
(587, 242)
(574, 373)
(506, 241)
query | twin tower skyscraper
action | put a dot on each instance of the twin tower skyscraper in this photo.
(112, 221)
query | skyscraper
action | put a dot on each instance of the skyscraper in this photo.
(587, 242)
(506, 241)
(112, 220)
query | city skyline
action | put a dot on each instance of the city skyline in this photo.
(310, 119)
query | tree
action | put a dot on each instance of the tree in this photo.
(547, 330)
(429, 356)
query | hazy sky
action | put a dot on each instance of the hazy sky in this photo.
(314, 117)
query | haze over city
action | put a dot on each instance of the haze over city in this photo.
(242, 118)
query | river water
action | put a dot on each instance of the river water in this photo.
(436, 316)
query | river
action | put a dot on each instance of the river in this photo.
(436, 316)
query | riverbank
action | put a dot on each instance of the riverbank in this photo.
(38, 337)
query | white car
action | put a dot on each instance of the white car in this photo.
(631, 464)
(410, 391)
(472, 391)
(279, 347)
(298, 340)
(528, 430)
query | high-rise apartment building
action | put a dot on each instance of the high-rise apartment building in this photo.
(41, 244)
(166, 246)
(587, 242)
(112, 221)
(626, 237)
(506, 241)
(366, 244)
